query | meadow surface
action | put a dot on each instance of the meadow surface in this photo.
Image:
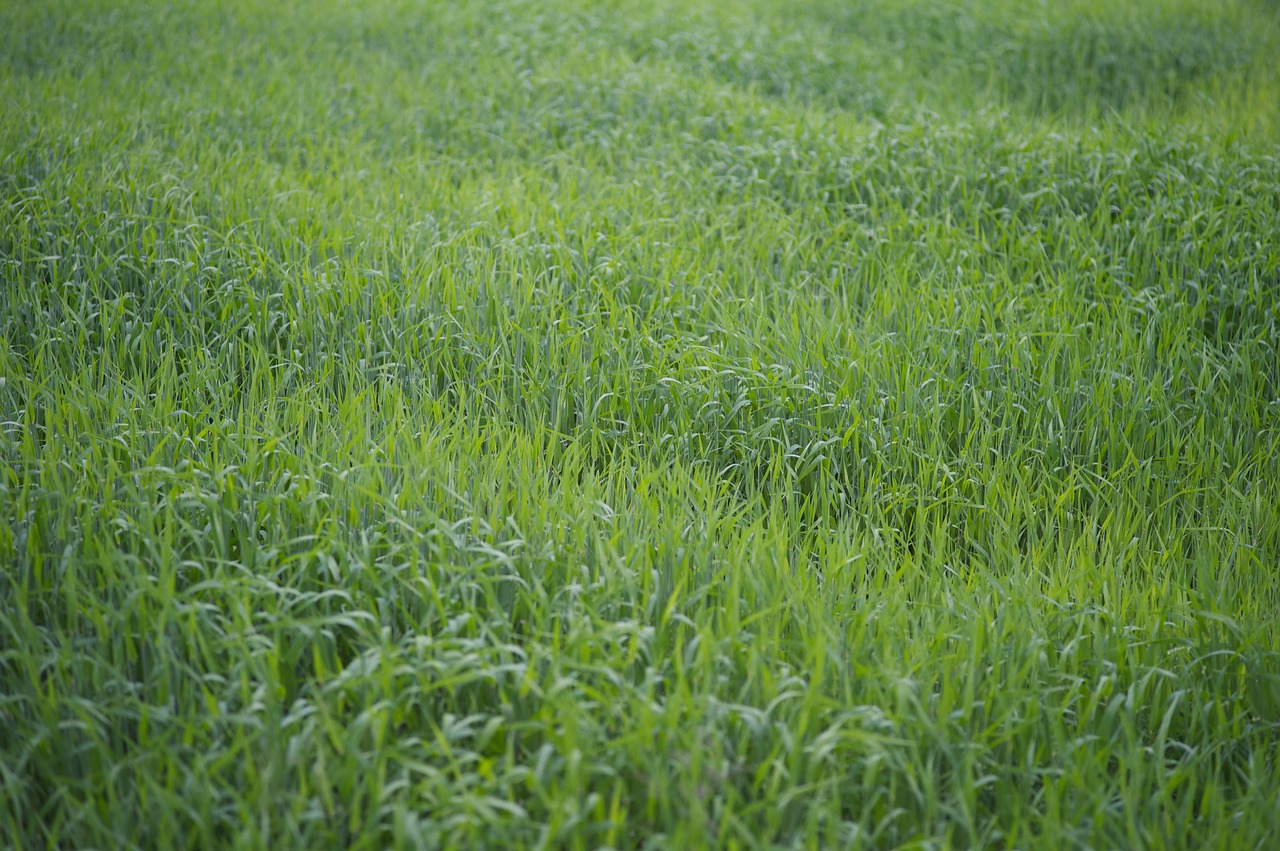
(670, 424)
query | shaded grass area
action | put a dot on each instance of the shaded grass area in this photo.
(515, 424)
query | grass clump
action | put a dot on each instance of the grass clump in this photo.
(583, 425)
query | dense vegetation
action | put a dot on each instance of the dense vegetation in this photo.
(734, 423)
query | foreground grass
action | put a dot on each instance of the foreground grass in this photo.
(593, 424)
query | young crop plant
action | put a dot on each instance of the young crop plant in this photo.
(581, 424)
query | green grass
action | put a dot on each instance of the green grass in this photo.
(840, 423)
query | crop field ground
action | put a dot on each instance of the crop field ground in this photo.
(666, 424)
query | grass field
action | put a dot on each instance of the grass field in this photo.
(677, 424)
